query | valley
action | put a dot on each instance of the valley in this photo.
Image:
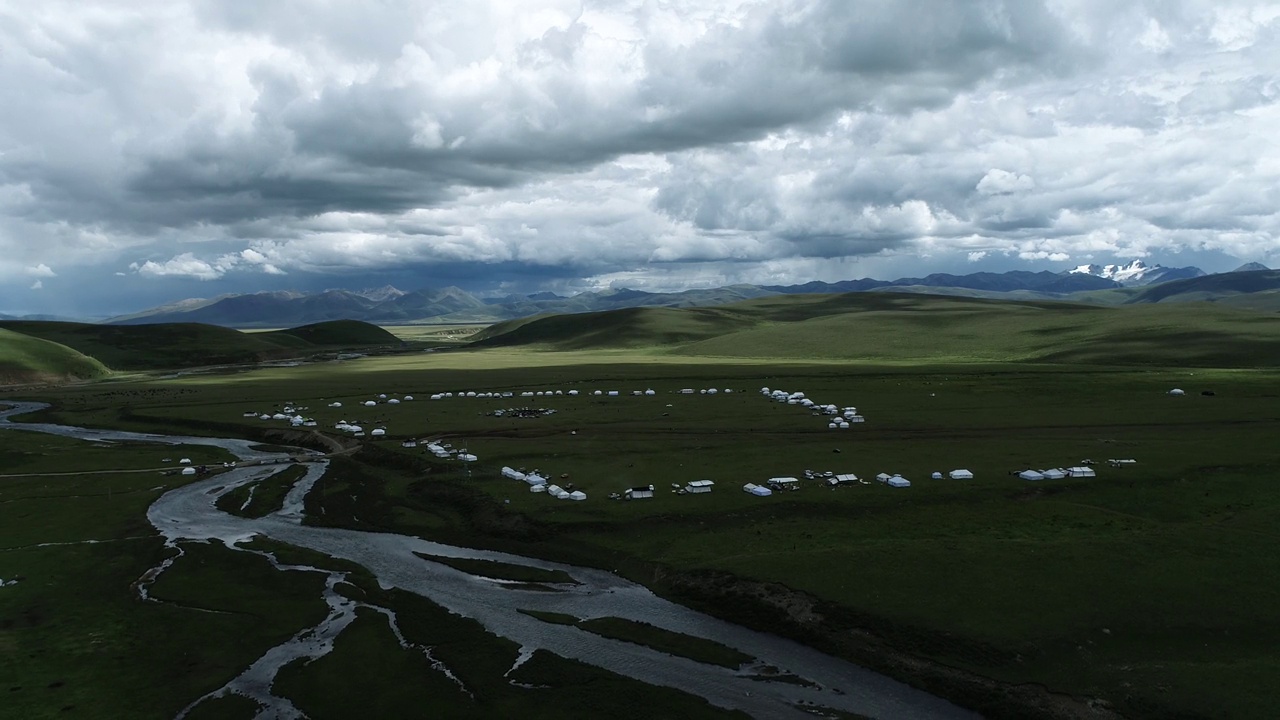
(1143, 592)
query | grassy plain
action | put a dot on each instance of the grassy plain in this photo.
(1152, 587)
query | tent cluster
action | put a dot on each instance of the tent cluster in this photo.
(524, 412)
(289, 413)
(841, 418)
(445, 451)
(894, 480)
(757, 490)
(538, 483)
(382, 398)
(958, 474)
(703, 391)
(1082, 471)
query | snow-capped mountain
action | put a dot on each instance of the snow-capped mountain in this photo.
(1137, 273)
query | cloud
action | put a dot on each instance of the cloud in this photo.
(1003, 182)
(41, 271)
(185, 265)
(37, 285)
(663, 142)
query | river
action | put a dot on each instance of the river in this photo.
(189, 513)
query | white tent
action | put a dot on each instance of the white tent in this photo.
(899, 481)
(783, 481)
(464, 457)
(408, 397)
(383, 396)
(184, 461)
(1081, 471)
(537, 488)
(935, 475)
(636, 493)
(534, 478)
(188, 471)
(749, 487)
(512, 473)
(598, 392)
(554, 489)
(699, 486)
(759, 491)
(846, 478)
(650, 392)
(369, 403)
(378, 432)
(577, 495)
(573, 392)
(712, 391)
(883, 477)
(961, 475)
(393, 401)
(1177, 391)
(1030, 475)
(613, 393)
(1053, 474)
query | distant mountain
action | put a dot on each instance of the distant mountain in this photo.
(1040, 282)
(1098, 284)
(1251, 267)
(1212, 288)
(1137, 273)
(386, 292)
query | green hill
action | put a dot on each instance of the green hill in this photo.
(885, 327)
(26, 359)
(335, 333)
(178, 345)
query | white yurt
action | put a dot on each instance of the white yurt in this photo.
(188, 471)
(1031, 475)
(577, 495)
(899, 482)
(961, 474)
(1177, 391)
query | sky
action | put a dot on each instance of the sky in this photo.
(154, 151)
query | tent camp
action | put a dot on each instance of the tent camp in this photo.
(899, 482)
(1081, 472)
(960, 475)
(1030, 475)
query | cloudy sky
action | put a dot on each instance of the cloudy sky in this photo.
(152, 151)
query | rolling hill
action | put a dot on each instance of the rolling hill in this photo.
(887, 327)
(178, 345)
(25, 359)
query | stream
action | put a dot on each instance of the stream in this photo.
(188, 513)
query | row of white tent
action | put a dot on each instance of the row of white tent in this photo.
(842, 417)
(538, 484)
(1058, 473)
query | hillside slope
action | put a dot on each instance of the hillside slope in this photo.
(885, 327)
(26, 359)
(178, 345)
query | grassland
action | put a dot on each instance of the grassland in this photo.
(263, 497)
(1150, 587)
(916, 329)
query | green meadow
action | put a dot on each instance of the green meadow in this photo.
(1149, 590)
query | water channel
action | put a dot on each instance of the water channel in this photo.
(188, 513)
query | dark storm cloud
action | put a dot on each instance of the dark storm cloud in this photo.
(627, 141)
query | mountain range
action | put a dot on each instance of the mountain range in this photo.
(1099, 284)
